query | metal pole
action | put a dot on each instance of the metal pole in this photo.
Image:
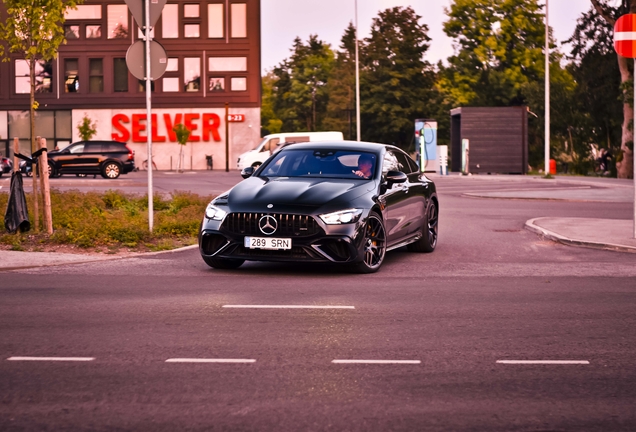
(634, 151)
(148, 112)
(227, 138)
(357, 80)
(547, 92)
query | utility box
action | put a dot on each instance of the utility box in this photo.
(498, 139)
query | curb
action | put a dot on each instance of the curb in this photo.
(550, 235)
(106, 258)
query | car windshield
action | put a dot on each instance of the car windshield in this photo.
(341, 164)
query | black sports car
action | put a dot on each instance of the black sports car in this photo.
(340, 202)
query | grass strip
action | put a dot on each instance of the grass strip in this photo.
(112, 221)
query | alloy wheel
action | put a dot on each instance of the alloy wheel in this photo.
(374, 243)
(432, 225)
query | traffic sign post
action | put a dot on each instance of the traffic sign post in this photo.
(147, 61)
(625, 46)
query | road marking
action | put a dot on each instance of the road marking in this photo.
(286, 307)
(71, 359)
(550, 362)
(376, 361)
(208, 360)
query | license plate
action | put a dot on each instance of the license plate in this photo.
(267, 243)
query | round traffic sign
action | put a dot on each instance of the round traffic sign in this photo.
(135, 60)
(625, 36)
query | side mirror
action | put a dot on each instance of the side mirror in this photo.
(247, 172)
(393, 177)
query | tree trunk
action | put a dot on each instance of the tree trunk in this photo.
(624, 168)
(36, 195)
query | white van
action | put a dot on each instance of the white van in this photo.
(272, 142)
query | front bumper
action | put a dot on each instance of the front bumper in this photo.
(330, 243)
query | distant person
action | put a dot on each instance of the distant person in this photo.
(365, 166)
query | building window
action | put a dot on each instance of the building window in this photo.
(96, 76)
(215, 20)
(227, 64)
(216, 84)
(71, 78)
(191, 11)
(239, 20)
(117, 21)
(22, 77)
(93, 32)
(170, 21)
(43, 74)
(170, 84)
(238, 84)
(72, 32)
(120, 71)
(191, 31)
(192, 74)
(83, 12)
(173, 65)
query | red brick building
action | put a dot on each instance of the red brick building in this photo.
(213, 50)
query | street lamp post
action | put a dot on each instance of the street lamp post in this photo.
(547, 92)
(357, 79)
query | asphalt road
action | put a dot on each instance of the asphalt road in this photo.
(491, 292)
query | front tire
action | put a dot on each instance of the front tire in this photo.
(374, 245)
(223, 263)
(111, 170)
(428, 241)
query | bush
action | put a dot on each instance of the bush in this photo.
(114, 219)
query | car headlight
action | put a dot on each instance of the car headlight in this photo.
(341, 217)
(214, 213)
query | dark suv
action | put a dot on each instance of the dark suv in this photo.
(108, 158)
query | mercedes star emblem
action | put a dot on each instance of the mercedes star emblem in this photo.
(268, 224)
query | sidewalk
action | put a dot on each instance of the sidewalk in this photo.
(610, 234)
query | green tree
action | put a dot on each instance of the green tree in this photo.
(595, 69)
(301, 95)
(270, 123)
(33, 29)
(87, 128)
(340, 114)
(183, 134)
(396, 83)
(609, 13)
(500, 50)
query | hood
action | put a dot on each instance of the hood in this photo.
(286, 194)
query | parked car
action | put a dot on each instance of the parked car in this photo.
(340, 202)
(272, 143)
(108, 158)
(6, 166)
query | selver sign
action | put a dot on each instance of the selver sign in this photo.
(203, 127)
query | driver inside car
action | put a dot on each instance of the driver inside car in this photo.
(365, 166)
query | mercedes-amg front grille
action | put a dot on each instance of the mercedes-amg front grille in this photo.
(288, 225)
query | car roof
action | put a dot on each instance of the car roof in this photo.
(338, 145)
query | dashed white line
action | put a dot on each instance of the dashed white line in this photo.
(68, 359)
(376, 361)
(286, 307)
(548, 362)
(209, 360)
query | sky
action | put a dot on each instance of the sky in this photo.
(283, 20)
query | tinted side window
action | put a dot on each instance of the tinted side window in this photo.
(390, 163)
(93, 148)
(114, 147)
(403, 162)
